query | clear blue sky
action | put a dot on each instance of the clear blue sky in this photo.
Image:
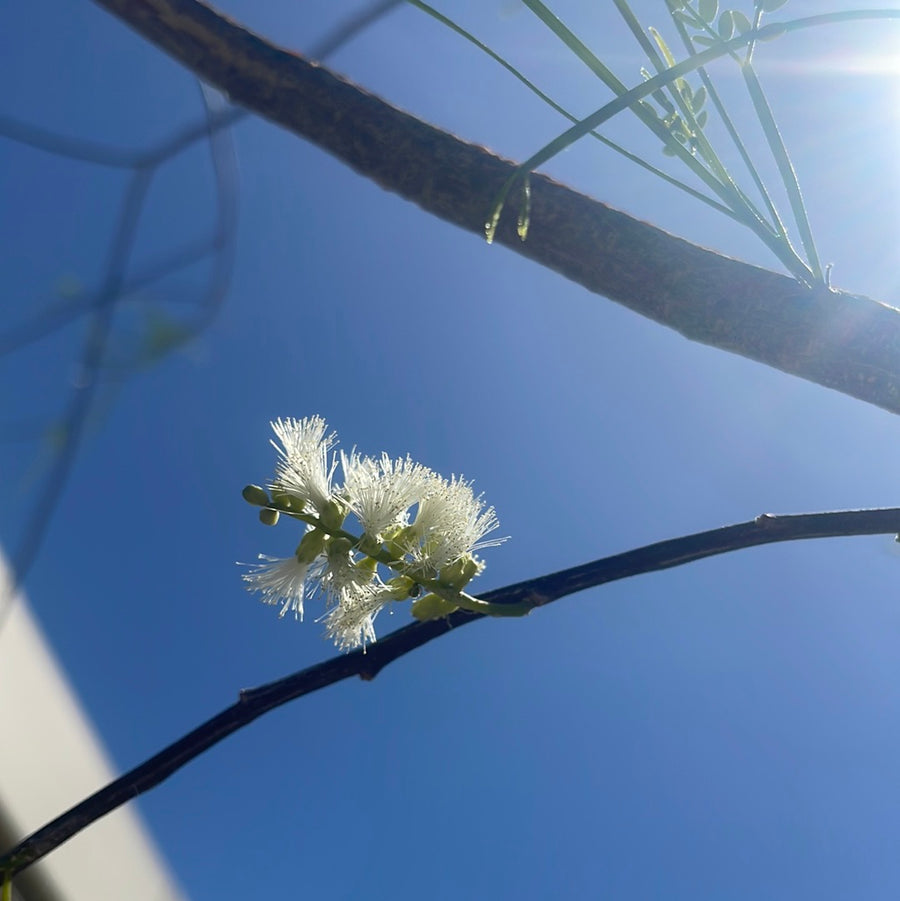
(725, 730)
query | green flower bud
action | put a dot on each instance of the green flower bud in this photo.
(287, 501)
(368, 545)
(401, 539)
(312, 544)
(402, 588)
(332, 515)
(339, 546)
(367, 565)
(459, 574)
(268, 517)
(432, 607)
(255, 495)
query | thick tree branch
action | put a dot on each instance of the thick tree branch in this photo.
(253, 703)
(846, 342)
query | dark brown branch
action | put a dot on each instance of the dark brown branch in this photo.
(253, 703)
(846, 342)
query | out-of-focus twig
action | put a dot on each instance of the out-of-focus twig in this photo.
(100, 303)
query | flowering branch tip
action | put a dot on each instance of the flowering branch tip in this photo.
(413, 524)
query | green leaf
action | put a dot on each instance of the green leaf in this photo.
(741, 22)
(703, 40)
(726, 25)
(698, 100)
(701, 119)
(769, 6)
(708, 10)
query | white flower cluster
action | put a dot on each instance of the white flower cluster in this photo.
(432, 546)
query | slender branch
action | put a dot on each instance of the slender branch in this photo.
(843, 341)
(253, 703)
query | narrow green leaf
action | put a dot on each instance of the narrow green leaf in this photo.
(703, 40)
(770, 6)
(663, 46)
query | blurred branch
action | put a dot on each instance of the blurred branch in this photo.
(116, 285)
(842, 341)
(100, 305)
(367, 663)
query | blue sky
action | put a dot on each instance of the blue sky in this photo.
(728, 729)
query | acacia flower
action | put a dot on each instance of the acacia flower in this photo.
(450, 523)
(416, 526)
(303, 470)
(280, 581)
(380, 492)
(351, 623)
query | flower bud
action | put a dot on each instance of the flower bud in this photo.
(268, 517)
(461, 572)
(311, 546)
(255, 495)
(339, 546)
(368, 566)
(332, 515)
(402, 588)
(399, 542)
(287, 502)
(431, 607)
(368, 545)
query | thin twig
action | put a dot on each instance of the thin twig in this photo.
(367, 663)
